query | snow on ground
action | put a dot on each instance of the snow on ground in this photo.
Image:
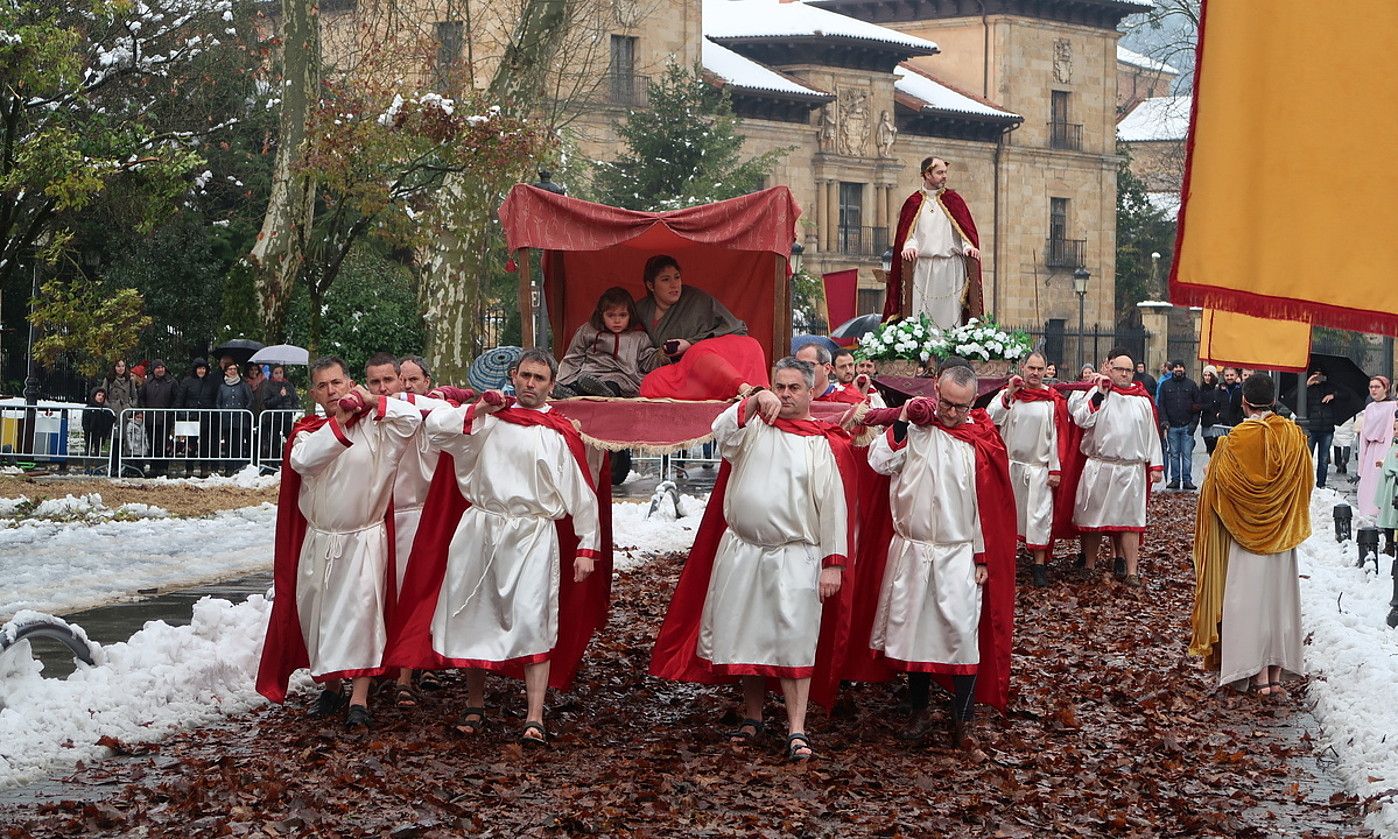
(74, 508)
(164, 678)
(249, 477)
(1353, 659)
(64, 566)
(637, 538)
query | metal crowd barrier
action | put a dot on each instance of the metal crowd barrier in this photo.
(273, 427)
(200, 440)
(58, 439)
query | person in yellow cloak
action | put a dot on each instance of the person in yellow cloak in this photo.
(1254, 509)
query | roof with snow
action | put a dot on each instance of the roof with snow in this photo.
(938, 96)
(1166, 202)
(1102, 14)
(729, 21)
(1145, 62)
(747, 75)
(1160, 119)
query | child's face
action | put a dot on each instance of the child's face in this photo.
(616, 318)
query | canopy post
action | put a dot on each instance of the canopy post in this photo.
(526, 300)
(781, 311)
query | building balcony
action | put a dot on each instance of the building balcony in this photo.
(628, 89)
(861, 241)
(1064, 135)
(1065, 253)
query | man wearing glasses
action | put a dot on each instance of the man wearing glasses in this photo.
(938, 251)
(952, 522)
(1121, 445)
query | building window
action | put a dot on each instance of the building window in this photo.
(853, 237)
(622, 83)
(1059, 250)
(1062, 133)
(450, 35)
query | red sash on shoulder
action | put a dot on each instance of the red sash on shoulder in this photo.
(284, 648)
(675, 655)
(582, 607)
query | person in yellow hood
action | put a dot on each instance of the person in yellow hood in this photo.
(1254, 509)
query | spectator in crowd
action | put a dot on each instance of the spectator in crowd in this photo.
(1144, 377)
(1320, 421)
(199, 394)
(234, 397)
(1213, 402)
(159, 393)
(1051, 373)
(1179, 410)
(278, 396)
(1088, 373)
(97, 423)
(136, 444)
(1343, 445)
(865, 367)
(121, 388)
(138, 373)
(1233, 386)
(253, 375)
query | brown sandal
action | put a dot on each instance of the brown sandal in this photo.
(471, 722)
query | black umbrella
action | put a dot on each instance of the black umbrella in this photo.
(858, 327)
(1351, 384)
(240, 349)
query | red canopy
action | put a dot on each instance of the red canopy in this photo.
(737, 250)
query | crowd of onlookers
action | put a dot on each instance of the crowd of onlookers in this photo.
(206, 416)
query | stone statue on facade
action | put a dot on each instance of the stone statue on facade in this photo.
(828, 129)
(887, 132)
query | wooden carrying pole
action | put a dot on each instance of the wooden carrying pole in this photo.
(526, 300)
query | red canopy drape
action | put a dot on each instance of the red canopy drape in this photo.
(737, 250)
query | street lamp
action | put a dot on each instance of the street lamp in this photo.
(1080, 278)
(546, 182)
(536, 289)
(796, 250)
(1155, 272)
(886, 260)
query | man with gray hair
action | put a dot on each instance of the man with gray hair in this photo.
(764, 585)
(820, 360)
(951, 517)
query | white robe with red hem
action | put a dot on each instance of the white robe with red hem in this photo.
(1121, 444)
(410, 485)
(928, 618)
(786, 519)
(1030, 432)
(498, 602)
(341, 573)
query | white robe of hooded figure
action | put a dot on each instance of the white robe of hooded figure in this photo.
(410, 486)
(499, 597)
(939, 276)
(929, 609)
(786, 520)
(1030, 433)
(1121, 444)
(341, 575)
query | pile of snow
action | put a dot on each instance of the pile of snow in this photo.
(164, 678)
(63, 566)
(73, 508)
(639, 536)
(249, 477)
(1353, 659)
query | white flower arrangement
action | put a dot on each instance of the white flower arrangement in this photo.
(912, 339)
(983, 340)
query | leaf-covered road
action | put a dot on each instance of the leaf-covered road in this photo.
(1112, 732)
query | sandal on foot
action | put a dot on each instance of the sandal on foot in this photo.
(405, 697)
(795, 745)
(471, 722)
(1259, 689)
(328, 704)
(358, 717)
(428, 680)
(541, 741)
(741, 736)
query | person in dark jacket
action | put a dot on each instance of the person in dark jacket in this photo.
(159, 394)
(234, 400)
(1179, 409)
(1145, 377)
(278, 397)
(1232, 386)
(1213, 403)
(98, 421)
(199, 394)
(1320, 421)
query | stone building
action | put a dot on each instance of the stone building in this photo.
(1140, 77)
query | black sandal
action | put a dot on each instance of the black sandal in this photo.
(405, 697)
(428, 680)
(465, 721)
(793, 753)
(740, 737)
(540, 742)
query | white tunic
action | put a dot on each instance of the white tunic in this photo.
(1121, 444)
(1031, 438)
(410, 486)
(1261, 614)
(786, 517)
(939, 276)
(499, 598)
(930, 606)
(346, 484)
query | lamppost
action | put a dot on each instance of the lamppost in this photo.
(796, 250)
(1155, 274)
(886, 260)
(31, 374)
(1080, 278)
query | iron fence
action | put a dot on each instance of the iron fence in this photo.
(1069, 348)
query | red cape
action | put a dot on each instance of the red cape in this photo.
(997, 513)
(675, 655)
(284, 648)
(961, 214)
(1069, 438)
(846, 395)
(582, 607)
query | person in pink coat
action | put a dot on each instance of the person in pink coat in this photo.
(1375, 435)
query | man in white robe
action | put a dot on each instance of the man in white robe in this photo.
(1027, 414)
(929, 609)
(938, 252)
(346, 468)
(499, 600)
(1121, 447)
